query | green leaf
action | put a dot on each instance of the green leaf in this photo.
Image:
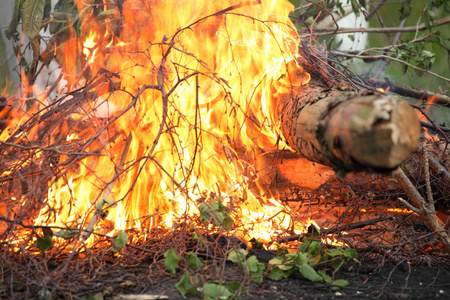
(309, 20)
(47, 9)
(44, 243)
(33, 11)
(309, 273)
(216, 291)
(65, 14)
(324, 275)
(237, 256)
(120, 241)
(228, 222)
(350, 253)
(234, 286)
(17, 15)
(193, 261)
(101, 203)
(276, 261)
(339, 6)
(216, 213)
(66, 234)
(315, 247)
(187, 283)
(335, 252)
(314, 260)
(276, 274)
(252, 263)
(337, 284)
(355, 7)
(405, 10)
(171, 261)
(302, 258)
(256, 275)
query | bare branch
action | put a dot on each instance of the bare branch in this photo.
(421, 27)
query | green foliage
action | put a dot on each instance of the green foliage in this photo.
(193, 261)
(103, 212)
(120, 241)
(44, 243)
(35, 15)
(309, 273)
(355, 7)
(66, 234)
(216, 213)
(311, 261)
(216, 291)
(171, 261)
(33, 12)
(5, 74)
(251, 264)
(405, 10)
(15, 20)
(187, 284)
(238, 256)
(102, 203)
(337, 284)
(65, 15)
(416, 54)
(426, 49)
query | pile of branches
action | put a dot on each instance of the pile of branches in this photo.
(31, 162)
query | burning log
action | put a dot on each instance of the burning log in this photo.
(350, 131)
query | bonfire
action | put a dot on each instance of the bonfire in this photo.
(209, 129)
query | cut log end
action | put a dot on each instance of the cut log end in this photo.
(378, 132)
(357, 133)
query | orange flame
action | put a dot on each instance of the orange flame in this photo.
(197, 87)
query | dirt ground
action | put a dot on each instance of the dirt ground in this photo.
(368, 281)
(111, 276)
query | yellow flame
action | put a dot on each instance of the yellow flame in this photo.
(203, 82)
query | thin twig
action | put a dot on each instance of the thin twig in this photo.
(423, 26)
(384, 62)
(396, 60)
(412, 92)
(90, 228)
(337, 229)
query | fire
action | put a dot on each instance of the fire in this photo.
(424, 118)
(194, 94)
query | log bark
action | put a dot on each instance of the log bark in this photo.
(348, 130)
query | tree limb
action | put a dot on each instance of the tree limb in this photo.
(421, 27)
(412, 92)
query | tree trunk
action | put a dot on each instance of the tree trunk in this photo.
(347, 130)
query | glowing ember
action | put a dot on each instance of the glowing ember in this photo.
(193, 93)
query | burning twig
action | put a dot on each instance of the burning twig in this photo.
(424, 207)
(412, 92)
(85, 235)
(337, 229)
